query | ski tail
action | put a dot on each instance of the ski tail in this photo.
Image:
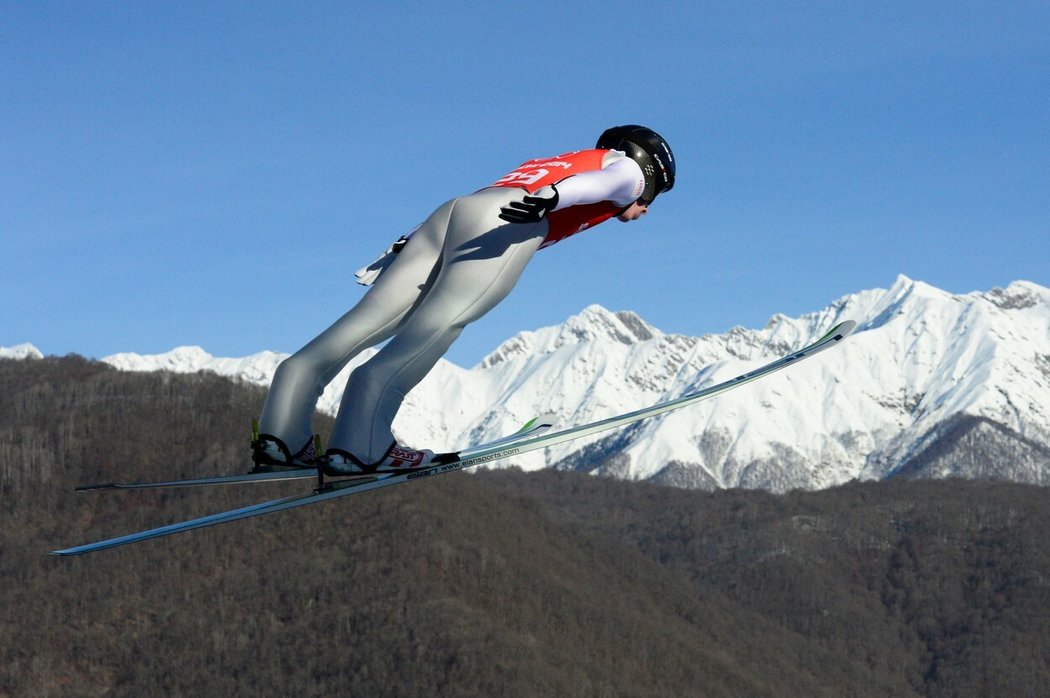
(260, 476)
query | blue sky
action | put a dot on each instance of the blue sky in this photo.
(212, 173)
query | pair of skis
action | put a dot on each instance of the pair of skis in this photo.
(533, 436)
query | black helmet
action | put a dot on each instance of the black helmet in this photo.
(649, 150)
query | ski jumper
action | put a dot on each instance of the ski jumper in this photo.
(457, 265)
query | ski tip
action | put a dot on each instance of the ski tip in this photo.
(842, 330)
(545, 421)
(536, 426)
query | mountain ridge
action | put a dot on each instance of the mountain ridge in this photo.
(880, 406)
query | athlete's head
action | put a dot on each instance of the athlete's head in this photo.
(649, 150)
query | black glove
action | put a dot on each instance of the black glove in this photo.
(366, 276)
(532, 208)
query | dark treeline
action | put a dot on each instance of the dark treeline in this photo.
(494, 584)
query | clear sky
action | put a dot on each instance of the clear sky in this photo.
(202, 173)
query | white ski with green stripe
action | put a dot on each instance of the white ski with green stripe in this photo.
(477, 455)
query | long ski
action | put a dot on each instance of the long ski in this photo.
(474, 456)
(261, 476)
(533, 427)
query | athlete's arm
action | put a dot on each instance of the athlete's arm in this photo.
(620, 182)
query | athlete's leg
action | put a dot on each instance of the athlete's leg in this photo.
(302, 377)
(482, 260)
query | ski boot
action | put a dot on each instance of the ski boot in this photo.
(269, 453)
(396, 460)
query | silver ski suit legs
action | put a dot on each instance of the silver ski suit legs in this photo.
(457, 266)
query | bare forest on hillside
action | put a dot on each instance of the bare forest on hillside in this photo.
(486, 584)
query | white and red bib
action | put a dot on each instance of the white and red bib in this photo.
(564, 222)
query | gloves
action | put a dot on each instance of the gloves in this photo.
(532, 208)
(366, 276)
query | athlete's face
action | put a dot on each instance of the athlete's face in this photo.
(633, 212)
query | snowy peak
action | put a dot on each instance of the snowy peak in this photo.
(923, 362)
(876, 307)
(907, 296)
(1018, 296)
(594, 323)
(20, 351)
(257, 368)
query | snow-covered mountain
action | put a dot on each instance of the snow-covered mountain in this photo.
(931, 384)
(20, 351)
